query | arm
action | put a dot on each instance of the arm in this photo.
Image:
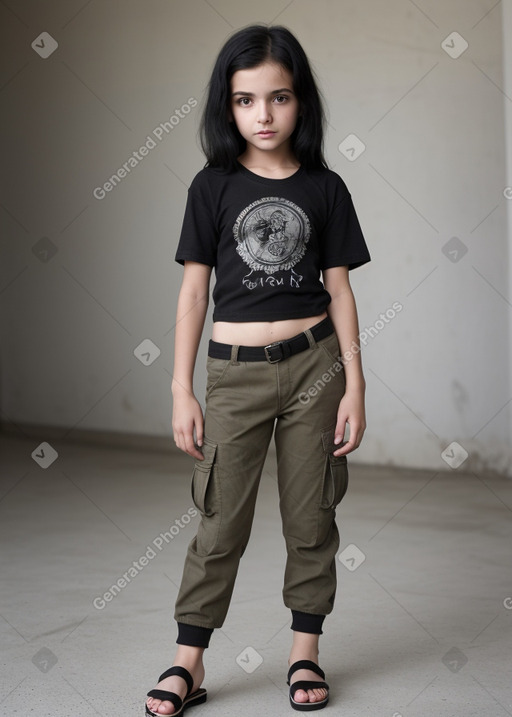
(343, 313)
(187, 415)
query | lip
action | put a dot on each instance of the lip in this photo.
(266, 133)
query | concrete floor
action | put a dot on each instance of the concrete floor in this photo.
(421, 626)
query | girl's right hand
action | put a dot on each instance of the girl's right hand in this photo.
(187, 419)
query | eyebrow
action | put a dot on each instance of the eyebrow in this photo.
(274, 92)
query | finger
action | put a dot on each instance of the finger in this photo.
(344, 446)
(196, 453)
(340, 430)
(359, 432)
(355, 438)
(177, 439)
(191, 448)
(185, 442)
(347, 447)
(199, 430)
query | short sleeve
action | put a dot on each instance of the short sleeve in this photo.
(342, 241)
(198, 239)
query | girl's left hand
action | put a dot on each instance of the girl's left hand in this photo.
(351, 411)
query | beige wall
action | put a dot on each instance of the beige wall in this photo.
(433, 168)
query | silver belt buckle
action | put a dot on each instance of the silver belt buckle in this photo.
(268, 352)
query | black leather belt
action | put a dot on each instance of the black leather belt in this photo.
(275, 352)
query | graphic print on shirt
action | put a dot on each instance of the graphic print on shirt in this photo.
(271, 236)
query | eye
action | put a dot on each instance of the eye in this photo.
(244, 101)
(280, 99)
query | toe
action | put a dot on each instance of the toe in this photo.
(161, 707)
(317, 695)
(313, 694)
(301, 696)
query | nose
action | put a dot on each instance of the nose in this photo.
(264, 115)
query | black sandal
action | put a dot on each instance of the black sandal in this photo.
(307, 685)
(191, 698)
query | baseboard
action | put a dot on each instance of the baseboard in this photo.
(112, 439)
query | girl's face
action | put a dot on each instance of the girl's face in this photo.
(264, 106)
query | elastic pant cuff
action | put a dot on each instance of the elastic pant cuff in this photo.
(193, 635)
(307, 622)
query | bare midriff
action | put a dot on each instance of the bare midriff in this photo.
(261, 333)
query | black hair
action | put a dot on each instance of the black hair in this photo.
(220, 139)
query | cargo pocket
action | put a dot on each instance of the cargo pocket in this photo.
(205, 496)
(335, 481)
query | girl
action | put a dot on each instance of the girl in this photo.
(269, 215)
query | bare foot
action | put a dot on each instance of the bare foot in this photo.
(313, 695)
(305, 647)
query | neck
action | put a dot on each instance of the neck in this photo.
(269, 161)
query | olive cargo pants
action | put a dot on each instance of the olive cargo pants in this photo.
(299, 396)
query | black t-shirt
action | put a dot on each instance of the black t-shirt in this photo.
(269, 239)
